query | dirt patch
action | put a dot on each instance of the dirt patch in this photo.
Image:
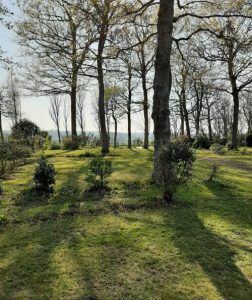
(228, 163)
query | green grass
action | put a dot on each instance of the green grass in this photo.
(127, 245)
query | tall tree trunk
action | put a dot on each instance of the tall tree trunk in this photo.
(101, 100)
(73, 112)
(209, 122)
(129, 130)
(146, 112)
(129, 103)
(162, 81)
(102, 117)
(1, 127)
(115, 133)
(234, 142)
(182, 118)
(59, 137)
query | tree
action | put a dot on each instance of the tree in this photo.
(55, 113)
(66, 114)
(57, 38)
(163, 80)
(13, 104)
(247, 109)
(25, 132)
(144, 68)
(81, 105)
(113, 96)
(230, 43)
(2, 111)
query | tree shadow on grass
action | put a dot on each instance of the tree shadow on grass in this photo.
(203, 247)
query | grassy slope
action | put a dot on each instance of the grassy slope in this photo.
(127, 245)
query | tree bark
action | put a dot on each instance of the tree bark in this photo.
(234, 142)
(162, 81)
(1, 128)
(146, 111)
(115, 133)
(129, 103)
(73, 112)
(59, 137)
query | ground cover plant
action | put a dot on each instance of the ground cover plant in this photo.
(128, 245)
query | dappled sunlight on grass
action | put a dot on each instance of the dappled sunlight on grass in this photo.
(127, 244)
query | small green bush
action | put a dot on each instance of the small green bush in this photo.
(99, 170)
(3, 220)
(217, 149)
(173, 167)
(201, 142)
(244, 151)
(55, 146)
(69, 143)
(249, 140)
(44, 176)
(214, 173)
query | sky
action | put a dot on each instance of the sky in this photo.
(37, 108)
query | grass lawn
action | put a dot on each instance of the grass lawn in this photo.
(128, 245)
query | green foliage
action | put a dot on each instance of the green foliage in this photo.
(201, 142)
(55, 146)
(11, 154)
(219, 140)
(3, 220)
(217, 149)
(44, 176)
(214, 173)
(244, 151)
(26, 132)
(137, 142)
(69, 143)
(249, 140)
(174, 167)
(99, 170)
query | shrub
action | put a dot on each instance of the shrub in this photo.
(87, 154)
(244, 151)
(249, 140)
(137, 142)
(44, 176)
(55, 146)
(174, 166)
(218, 140)
(201, 142)
(69, 143)
(99, 170)
(217, 149)
(11, 153)
(3, 220)
(214, 173)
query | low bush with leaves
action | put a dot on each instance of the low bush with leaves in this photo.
(12, 154)
(69, 143)
(44, 176)
(174, 165)
(55, 146)
(214, 173)
(244, 151)
(217, 149)
(98, 172)
(201, 142)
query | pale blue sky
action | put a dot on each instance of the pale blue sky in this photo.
(36, 108)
